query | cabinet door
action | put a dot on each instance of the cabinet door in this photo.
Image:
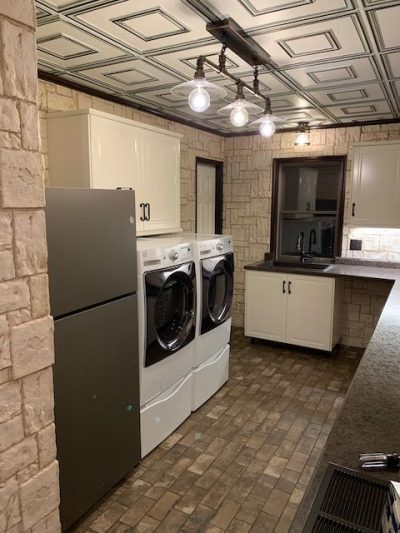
(265, 305)
(113, 154)
(376, 186)
(309, 318)
(159, 180)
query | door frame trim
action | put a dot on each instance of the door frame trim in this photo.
(219, 185)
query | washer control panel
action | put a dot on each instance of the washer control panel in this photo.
(175, 255)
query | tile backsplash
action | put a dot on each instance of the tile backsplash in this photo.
(378, 244)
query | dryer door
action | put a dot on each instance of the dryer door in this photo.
(170, 311)
(217, 293)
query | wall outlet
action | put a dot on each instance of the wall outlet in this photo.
(355, 244)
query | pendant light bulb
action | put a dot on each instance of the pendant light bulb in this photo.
(267, 128)
(199, 100)
(239, 116)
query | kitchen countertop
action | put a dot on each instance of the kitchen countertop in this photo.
(369, 420)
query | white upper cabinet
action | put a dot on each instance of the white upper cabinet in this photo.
(98, 150)
(375, 196)
(160, 159)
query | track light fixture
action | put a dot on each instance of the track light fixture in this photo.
(200, 92)
(302, 134)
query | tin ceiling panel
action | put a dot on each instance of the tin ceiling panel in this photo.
(331, 62)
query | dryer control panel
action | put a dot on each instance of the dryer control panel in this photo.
(214, 247)
(155, 257)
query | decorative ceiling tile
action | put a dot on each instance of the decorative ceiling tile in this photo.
(260, 13)
(372, 109)
(335, 73)
(129, 76)
(145, 25)
(355, 93)
(331, 62)
(393, 62)
(385, 23)
(63, 45)
(318, 41)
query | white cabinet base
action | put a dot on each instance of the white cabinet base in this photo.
(296, 309)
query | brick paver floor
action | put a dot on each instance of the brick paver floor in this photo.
(243, 460)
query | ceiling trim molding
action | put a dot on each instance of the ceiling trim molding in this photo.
(46, 76)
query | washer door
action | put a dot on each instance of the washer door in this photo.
(170, 310)
(217, 291)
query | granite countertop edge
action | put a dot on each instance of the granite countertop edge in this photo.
(369, 420)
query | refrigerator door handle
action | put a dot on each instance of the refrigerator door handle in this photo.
(143, 207)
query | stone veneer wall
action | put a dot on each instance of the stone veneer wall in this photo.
(247, 203)
(378, 244)
(195, 143)
(29, 488)
(363, 304)
(247, 192)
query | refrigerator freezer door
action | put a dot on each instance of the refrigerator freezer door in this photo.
(92, 247)
(97, 410)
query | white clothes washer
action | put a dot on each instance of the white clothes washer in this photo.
(215, 266)
(167, 297)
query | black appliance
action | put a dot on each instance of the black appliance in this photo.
(92, 277)
(217, 291)
(170, 310)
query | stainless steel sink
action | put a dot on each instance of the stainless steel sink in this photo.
(302, 266)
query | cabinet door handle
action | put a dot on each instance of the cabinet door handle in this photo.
(143, 217)
(284, 287)
(148, 212)
(353, 210)
(290, 287)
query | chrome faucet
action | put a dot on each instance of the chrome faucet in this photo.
(312, 240)
(300, 245)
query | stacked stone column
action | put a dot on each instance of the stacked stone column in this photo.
(29, 487)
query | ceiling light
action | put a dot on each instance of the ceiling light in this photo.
(199, 91)
(302, 134)
(240, 109)
(267, 121)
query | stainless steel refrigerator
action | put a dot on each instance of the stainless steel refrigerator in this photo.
(92, 276)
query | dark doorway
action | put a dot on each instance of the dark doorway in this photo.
(209, 195)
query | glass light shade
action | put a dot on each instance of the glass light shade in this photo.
(302, 138)
(267, 128)
(267, 124)
(252, 109)
(184, 89)
(199, 100)
(239, 116)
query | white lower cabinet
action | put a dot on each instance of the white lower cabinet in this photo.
(291, 308)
